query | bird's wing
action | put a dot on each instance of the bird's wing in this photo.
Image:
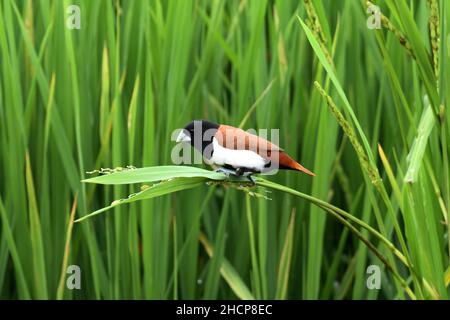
(237, 139)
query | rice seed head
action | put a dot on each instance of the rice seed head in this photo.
(397, 33)
(350, 133)
(314, 24)
(434, 31)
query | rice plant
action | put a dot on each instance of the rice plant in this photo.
(91, 92)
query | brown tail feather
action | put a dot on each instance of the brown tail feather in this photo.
(299, 167)
(287, 162)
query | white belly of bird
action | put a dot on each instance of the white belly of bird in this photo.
(236, 158)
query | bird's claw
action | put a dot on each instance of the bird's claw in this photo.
(231, 173)
(250, 178)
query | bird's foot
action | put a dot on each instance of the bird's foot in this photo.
(238, 173)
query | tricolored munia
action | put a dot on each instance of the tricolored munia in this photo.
(236, 152)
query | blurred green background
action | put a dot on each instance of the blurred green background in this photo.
(110, 94)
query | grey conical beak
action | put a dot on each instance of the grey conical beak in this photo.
(184, 136)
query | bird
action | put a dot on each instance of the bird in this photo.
(235, 152)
